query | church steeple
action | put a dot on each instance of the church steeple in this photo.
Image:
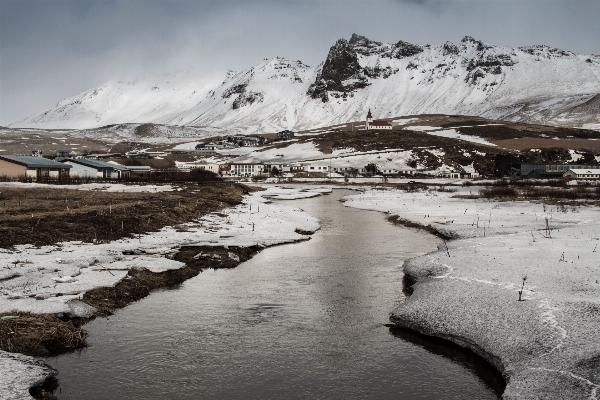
(369, 120)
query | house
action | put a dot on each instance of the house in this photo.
(139, 170)
(324, 168)
(95, 169)
(66, 153)
(99, 155)
(13, 166)
(285, 135)
(586, 173)
(212, 167)
(459, 174)
(246, 169)
(371, 124)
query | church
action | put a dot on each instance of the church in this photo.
(371, 124)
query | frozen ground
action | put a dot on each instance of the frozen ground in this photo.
(51, 279)
(547, 346)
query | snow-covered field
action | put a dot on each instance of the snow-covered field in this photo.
(51, 279)
(548, 346)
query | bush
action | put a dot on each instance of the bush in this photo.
(498, 192)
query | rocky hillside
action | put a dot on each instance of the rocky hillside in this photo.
(537, 84)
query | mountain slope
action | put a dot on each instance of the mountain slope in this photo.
(529, 84)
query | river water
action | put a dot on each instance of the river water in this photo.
(297, 321)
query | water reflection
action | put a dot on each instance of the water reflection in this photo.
(457, 354)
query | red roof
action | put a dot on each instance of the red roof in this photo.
(380, 122)
(369, 114)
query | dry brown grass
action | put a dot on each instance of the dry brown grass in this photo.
(527, 143)
(39, 335)
(43, 216)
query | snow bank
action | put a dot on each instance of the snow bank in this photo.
(52, 279)
(19, 373)
(548, 345)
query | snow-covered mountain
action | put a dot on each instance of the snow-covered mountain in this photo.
(536, 84)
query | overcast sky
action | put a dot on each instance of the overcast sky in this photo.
(54, 49)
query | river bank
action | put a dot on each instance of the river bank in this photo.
(547, 345)
(78, 280)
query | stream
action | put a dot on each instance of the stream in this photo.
(297, 321)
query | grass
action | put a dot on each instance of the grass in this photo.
(40, 334)
(550, 190)
(43, 216)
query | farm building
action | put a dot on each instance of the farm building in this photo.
(96, 169)
(579, 173)
(12, 166)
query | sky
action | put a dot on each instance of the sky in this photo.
(54, 49)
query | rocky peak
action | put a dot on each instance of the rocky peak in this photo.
(469, 41)
(403, 49)
(450, 48)
(341, 65)
(364, 46)
(546, 51)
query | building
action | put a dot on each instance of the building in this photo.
(459, 174)
(583, 173)
(203, 165)
(95, 169)
(371, 124)
(285, 135)
(38, 168)
(246, 169)
(531, 170)
(140, 170)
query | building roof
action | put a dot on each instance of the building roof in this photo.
(33, 162)
(585, 171)
(380, 122)
(369, 114)
(93, 163)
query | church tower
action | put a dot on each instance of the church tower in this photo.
(369, 120)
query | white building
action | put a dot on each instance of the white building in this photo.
(83, 168)
(591, 173)
(246, 169)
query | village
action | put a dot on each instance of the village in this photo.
(255, 157)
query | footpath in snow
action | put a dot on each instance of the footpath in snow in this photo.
(548, 345)
(52, 279)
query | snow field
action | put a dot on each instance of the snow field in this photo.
(547, 345)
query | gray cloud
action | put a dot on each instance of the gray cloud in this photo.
(53, 49)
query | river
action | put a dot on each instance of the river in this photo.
(297, 321)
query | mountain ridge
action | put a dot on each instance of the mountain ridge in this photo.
(535, 84)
